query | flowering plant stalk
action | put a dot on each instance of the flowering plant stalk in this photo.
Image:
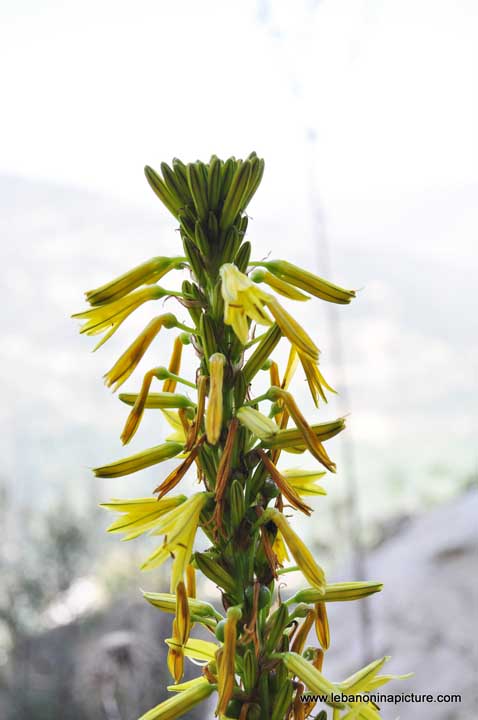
(258, 660)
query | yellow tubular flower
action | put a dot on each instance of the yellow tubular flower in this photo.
(226, 664)
(201, 650)
(181, 629)
(259, 424)
(215, 403)
(280, 286)
(292, 330)
(167, 603)
(322, 625)
(111, 316)
(181, 703)
(358, 682)
(160, 400)
(310, 438)
(285, 488)
(176, 475)
(307, 281)
(191, 581)
(338, 592)
(179, 527)
(301, 554)
(315, 379)
(280, 549)
(300, 638)
(242, 300)
(310, 676)
(304, 481)
(140, 514)
(174, 366)
(293, 438)
(188, 684)
(291, 367)
(128, 361)
(175, 659)
(140, 461)
(174, 421)
(145, 274)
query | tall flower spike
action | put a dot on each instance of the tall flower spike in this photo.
(260, 667)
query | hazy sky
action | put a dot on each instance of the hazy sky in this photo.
(91, 91)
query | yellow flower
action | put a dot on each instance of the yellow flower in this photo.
(139, 461)
(226, 660)
(181, 630)
(174, 366)
(307, 281)
(181, 703)
(301, 554)
(145, 274)
(109, 317)
(259, 424)
(309, 437)
(338, 592)
(280, 550)
(140, 514)
(179, 528)
(167, 603)
(146, 399)
(174, 421)
(181, 687)
(310, 676)
(304, 481)
(128, 361)
(292, 330)
(280, 286)
(285, 488)
(197, 649)
(242, 300)
(293, 440)
(315, 379)
(215, 403)
(322, 625)
(175, 660)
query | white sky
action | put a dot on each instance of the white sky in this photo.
(91, 91)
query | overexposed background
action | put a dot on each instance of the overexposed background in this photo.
(366, 113)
